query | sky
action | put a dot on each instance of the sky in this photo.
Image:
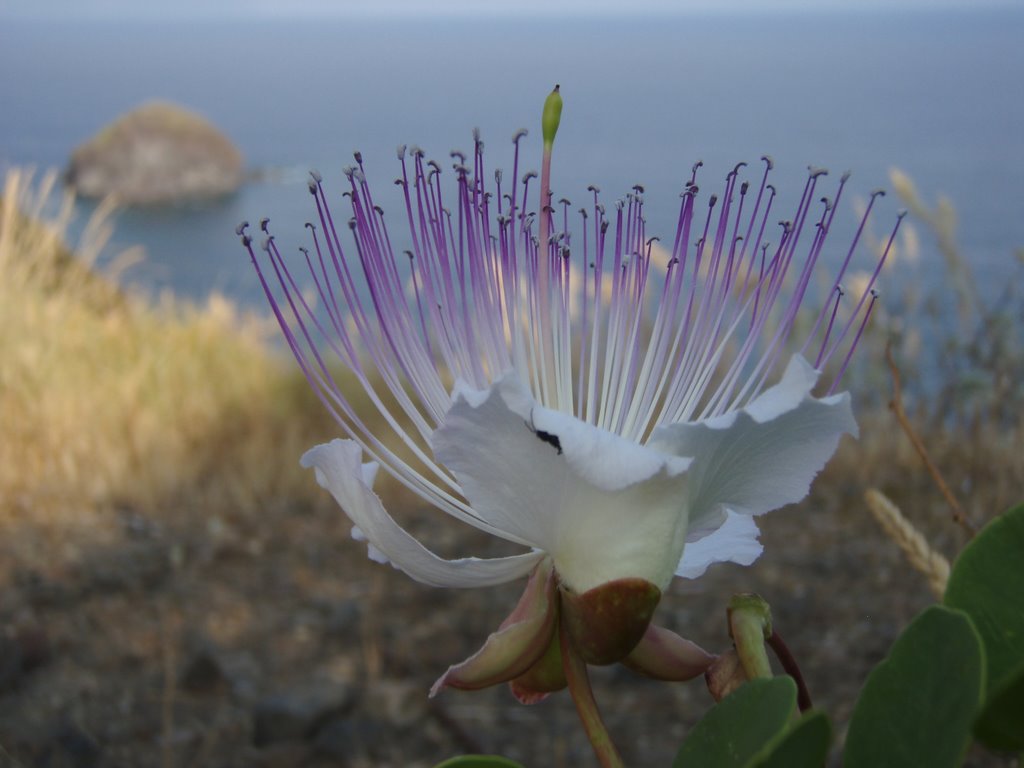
(185, 9)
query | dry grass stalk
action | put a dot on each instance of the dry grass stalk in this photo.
(920, 554)
(896, 406)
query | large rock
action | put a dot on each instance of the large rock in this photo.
(157, 153)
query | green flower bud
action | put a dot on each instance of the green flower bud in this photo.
(551, 117)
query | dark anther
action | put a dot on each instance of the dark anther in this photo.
(770, 187)
(312, 187)
(409, 254)
(768, 161)
(816, 172)
(604, 227)
(264, 223)
(697, 165)
(600, 208)
(619, 205)
(399, 182)
(433, 164)
(673, 261)
(744, 187)
(240, 229)
(739, 165)
(694, 189)
(901, 213)
(358, 156)
(565, 252)
(712, 200)
(638, 188)
(518, 135)
(584, 212)
(529, 175)
(459, 154)
(401, 151)
(497, 176)
(246, 241)
(415, 151)
(653, 240)
(594, 188)
(347, 194)
(310, 226)
(459, 168)
(379, 210)
(592, 265)
(878, 193)
(548, 209)
(352, 223)
(875, 294)
(564, 201)
(305, 251)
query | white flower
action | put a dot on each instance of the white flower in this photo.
(634, 437)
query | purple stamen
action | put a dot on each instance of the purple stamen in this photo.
(489, 286)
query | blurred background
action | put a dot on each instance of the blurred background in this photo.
(175, 591)
(651, 87)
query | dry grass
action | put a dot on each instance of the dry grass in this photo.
(107, 401)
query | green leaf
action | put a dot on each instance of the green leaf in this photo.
(479, 761)
(736, 730)
(1001, 722)
(805, 745)
(919, 703)
(987, 583)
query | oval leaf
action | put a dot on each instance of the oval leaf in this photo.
(1001, 722)
(736, 730)
(918, 704)
(479, 761)
(805, 745)
(987, 583)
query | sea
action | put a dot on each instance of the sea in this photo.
(938, 95)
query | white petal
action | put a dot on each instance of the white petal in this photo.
(734, 541)
(603, 507)
(763, 456)
(339, 469)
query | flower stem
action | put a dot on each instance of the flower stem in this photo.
(582, 694)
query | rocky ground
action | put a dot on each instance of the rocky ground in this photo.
(266, 638)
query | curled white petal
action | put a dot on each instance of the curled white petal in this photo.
(734, 541)
(763, 456)
(339, 469)
(602, 506)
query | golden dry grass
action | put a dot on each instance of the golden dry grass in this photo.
(109, 401)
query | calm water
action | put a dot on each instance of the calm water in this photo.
(938, 95)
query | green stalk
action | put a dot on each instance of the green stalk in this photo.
(583, 695)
